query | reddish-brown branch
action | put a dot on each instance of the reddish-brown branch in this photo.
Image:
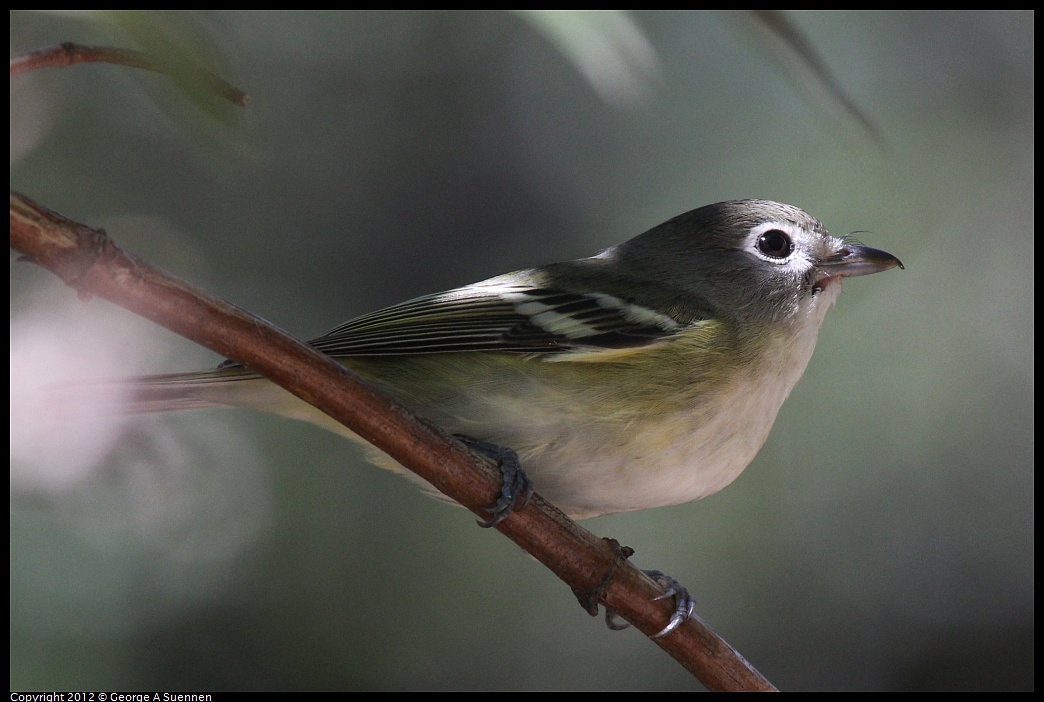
(88, 261)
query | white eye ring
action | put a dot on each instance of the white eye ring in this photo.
(773, 241)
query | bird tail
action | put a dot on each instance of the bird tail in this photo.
(224, 387)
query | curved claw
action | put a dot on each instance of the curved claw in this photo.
(614, 621)
(516, 488)
(683, 602)
(683, 605)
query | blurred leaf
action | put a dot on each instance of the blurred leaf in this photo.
(802, 58)
(606, 46)
(178, 45)
(184, 49)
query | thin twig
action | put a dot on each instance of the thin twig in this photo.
(68, 54)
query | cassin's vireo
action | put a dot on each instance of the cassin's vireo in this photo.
(647, 375)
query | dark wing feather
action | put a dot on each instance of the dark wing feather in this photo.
(510, 318)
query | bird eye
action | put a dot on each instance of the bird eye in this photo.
(775, 244)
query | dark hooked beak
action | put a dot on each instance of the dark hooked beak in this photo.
(852, 261)
(858, 260)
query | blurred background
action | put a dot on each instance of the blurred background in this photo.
(883, 539)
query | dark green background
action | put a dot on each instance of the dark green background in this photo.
(883, 539)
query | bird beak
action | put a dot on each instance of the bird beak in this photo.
(858, 260)
(851, 261)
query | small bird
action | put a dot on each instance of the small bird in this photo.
(647, 375)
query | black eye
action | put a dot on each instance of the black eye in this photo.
(775, 244)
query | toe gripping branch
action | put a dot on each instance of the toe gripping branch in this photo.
(589, 599)
(515, 491)
(683, 602)
(516, 488)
